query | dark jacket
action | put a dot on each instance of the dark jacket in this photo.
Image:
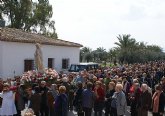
(78, 98)
(161, 102)
(88, 98)
(20, 99)
(145, 100)
(51, 96)
(44, 96)
(135, 98)
(109, 95)
(61, 105)
(35, 102)
(163, 87)
(99, 102)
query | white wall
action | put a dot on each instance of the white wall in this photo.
(15, 53)
(58, 53)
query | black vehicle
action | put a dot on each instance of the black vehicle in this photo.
(83, 66)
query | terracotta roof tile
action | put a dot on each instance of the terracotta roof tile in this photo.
(17, 35)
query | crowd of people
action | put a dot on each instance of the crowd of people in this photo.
(112, 89)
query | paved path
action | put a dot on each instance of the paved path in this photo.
(73, 113)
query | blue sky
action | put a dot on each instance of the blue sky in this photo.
(96, 23)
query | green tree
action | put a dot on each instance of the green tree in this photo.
(29, 15)
(101, 54)
(86, 54)
(126, 45)
(154, 48)
(131, 51)
(112, 55)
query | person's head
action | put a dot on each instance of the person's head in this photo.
(94, 78)
(43, 83)
(6, 87)
(89, 85)
(70, 78)
(135, 81)
(99, 71)
(65, 79)
(62, 89)
(81, 73)
(108, 74)
(54, 87)
(136, 85)
(163, 80)
(124, 78)
(29, 91)
(158, 88)
(144, 75)
(21, 86)
(98, 84)
(111, 85)
(114, 80)
(119, 80)
(34, 85)
(144, 87)
(37, 89)
(119, 87)
(80, 85)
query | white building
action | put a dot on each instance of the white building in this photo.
(17, 50)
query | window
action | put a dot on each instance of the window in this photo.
(28, 65)
(50, 62)
(65, 63)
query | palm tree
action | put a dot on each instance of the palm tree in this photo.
(101, 54)
(126, 42)
(86, 54)
(95, 55)
(88, 57)
(154, 48)
(86, 49)
(112, 54)
(126, 45)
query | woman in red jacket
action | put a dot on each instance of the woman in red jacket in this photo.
(100, 96)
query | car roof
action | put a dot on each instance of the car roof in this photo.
(90, 63)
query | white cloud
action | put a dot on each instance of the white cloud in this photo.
(96, 23)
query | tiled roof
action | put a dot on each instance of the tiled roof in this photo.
(17, 35)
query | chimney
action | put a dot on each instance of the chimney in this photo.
(2, 23)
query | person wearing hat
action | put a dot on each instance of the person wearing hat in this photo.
(8, 107)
